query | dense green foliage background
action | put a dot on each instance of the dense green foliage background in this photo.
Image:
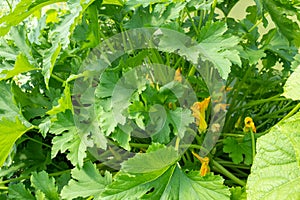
(45, 49)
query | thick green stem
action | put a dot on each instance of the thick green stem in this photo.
(227, 173)
(192, 21)
(57, 78)
(212, 11)
(292, 112)
(192, 71)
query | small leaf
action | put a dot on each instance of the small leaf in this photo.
(85, 182)
(65, 122)
(239, 151)
(22, 65)
(19, 192)
(64, 103)
(41, 181)
(238, 193)
(48, 63)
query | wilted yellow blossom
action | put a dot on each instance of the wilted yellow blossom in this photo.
(204, 164)
(249, 125)
(178, 76)
(198, 110)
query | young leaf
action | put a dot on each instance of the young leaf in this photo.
(64, 103)
(238, 151)
(41, 182)
(275, 173)
(86, 182)
(159, 177)
(19, 192)
(21, 65)
(238, 193)
(48, 63)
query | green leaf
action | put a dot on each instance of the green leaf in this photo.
(24, 9)
(41, 182)
(73, 143)
(238, 151)
(160, 15)
(19, 192)
(275, 173)
(253, 56)
(292, 86)
(22, 65)
(180, 119)
(86, 182)
(218, 48)
(64, 103)
(159, 177)
(122, 136)
(8, 108)
(214, 46)
(18, 35)
(48, 63)
(10, 132)
(238, 193)
(286, 17)
(65, 122)
(275, 42)
(68, 140)
(151, 162)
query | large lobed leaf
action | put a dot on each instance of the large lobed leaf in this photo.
(158, 176)
(275, 173)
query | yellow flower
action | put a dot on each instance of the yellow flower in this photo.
(204, 164)
(249, 125)
(178, 76)
(198, 110)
